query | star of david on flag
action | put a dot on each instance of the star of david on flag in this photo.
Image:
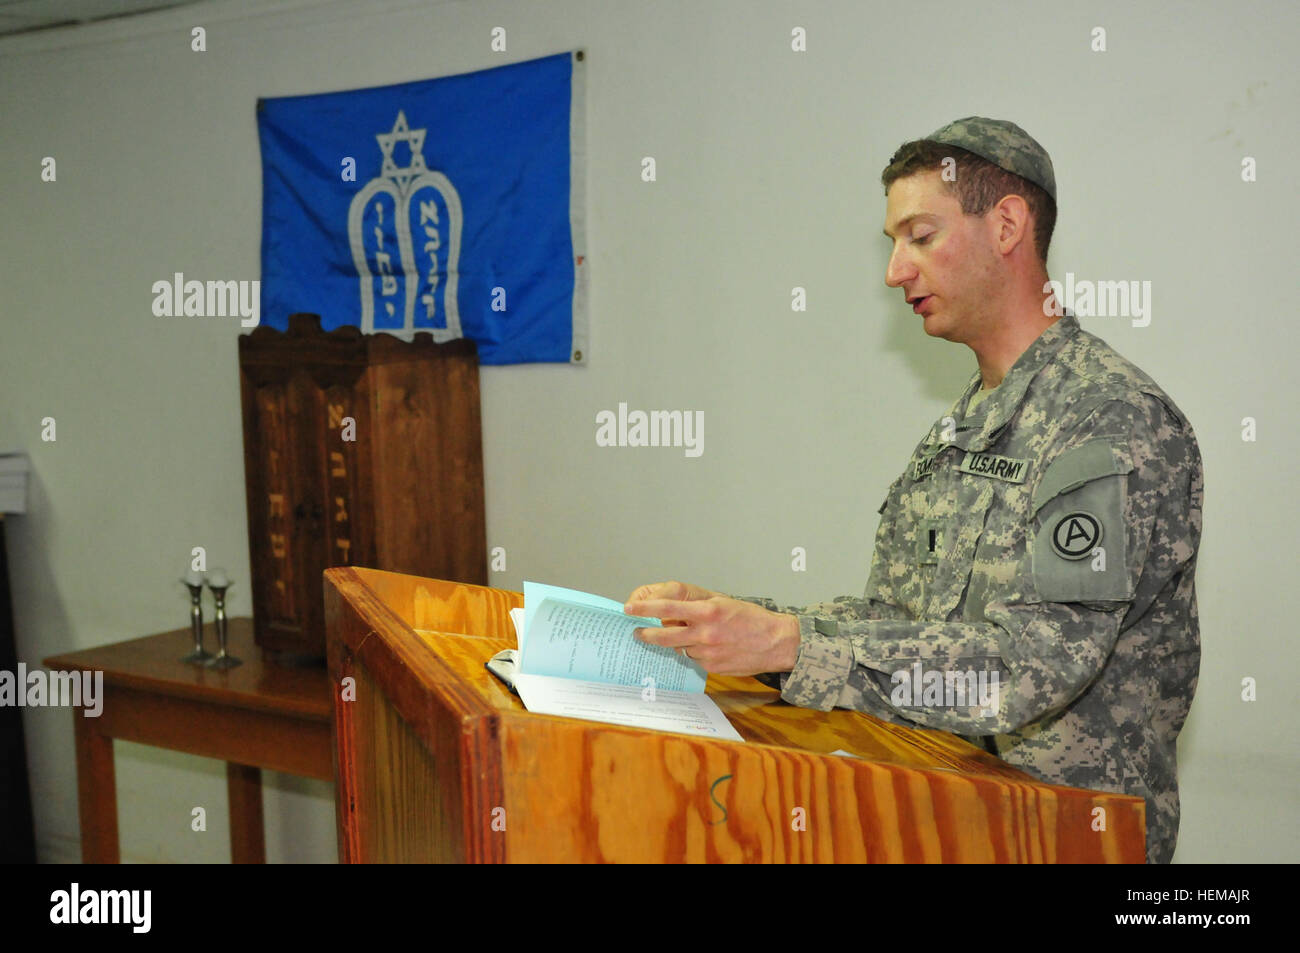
(453, 206)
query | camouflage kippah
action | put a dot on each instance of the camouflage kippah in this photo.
(1004, 144)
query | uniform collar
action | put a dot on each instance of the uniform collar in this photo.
(978, 432)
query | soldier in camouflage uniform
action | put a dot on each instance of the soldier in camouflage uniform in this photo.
(1045, 541)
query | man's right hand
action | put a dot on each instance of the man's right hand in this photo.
(671, 590)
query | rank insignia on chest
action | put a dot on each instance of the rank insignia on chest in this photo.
(930, 541)
(1010, 469)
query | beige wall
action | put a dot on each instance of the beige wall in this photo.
(768, 166)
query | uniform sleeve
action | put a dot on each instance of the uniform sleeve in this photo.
(1033, 657)
(840, 609)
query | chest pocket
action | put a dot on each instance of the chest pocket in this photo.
(932, 532)
(947, 541)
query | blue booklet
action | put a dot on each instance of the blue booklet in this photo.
(577, 657)
(572, 634)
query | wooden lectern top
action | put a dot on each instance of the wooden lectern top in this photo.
(434, 720)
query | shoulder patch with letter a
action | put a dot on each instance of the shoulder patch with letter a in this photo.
(1080, 546)
(1075, 535)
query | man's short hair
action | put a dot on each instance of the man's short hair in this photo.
(979, 184)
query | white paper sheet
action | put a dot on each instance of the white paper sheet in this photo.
(692, 713)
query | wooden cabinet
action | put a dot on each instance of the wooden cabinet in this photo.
(360, 450)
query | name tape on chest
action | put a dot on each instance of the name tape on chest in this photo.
(922, 468)
(1010, 469)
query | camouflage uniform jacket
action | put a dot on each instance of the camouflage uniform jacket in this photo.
(1049, 538)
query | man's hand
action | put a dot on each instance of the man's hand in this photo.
(671, 590)
(722, 635)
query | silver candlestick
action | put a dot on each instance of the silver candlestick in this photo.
(218, 583)
(194, 583)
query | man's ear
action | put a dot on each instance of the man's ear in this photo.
(1012, 222)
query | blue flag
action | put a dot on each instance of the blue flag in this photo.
(453, 206)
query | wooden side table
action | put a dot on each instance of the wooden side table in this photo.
(257, 715)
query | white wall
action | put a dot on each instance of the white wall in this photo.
(769, 166)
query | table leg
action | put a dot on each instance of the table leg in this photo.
(96, 791)
(247, 832)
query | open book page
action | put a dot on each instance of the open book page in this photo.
(570, 634)
(536, 592)
(692, 713)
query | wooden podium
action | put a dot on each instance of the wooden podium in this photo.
(436, 760)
